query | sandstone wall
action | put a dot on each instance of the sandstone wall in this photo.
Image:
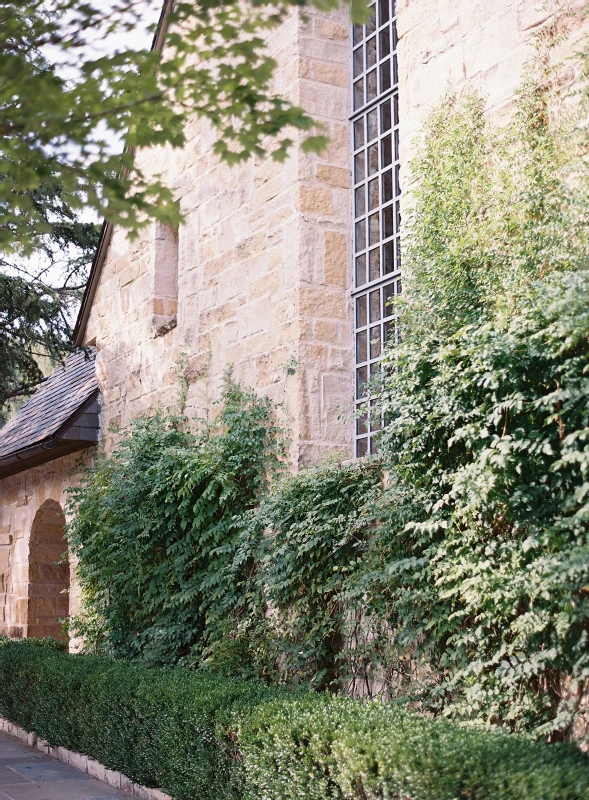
(28, 585)
(482, 43)
(261, 277)
(263, 268)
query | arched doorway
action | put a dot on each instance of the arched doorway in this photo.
(49, 573)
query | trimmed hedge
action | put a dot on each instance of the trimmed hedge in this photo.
(202, 736)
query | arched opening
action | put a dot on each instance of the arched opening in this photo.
(49, 574)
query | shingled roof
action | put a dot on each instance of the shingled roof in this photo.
(60, 418)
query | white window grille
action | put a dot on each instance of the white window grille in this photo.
(376, 201)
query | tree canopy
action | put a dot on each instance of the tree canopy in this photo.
(80, 94)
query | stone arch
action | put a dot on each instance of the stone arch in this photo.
(49, 573)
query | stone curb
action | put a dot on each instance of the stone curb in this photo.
(84, 764)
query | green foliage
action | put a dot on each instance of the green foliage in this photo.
(155, 527)
(67, 102)
(463, 585)
(52, 644)
(198, 735)
(297, 553)
(486, 548)
(36, 297)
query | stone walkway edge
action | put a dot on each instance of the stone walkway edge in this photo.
(84, 763)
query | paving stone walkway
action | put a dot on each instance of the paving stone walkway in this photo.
(27, 774)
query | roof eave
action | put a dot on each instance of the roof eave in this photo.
(107, 227)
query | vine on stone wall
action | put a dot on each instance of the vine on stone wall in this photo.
(462, 586)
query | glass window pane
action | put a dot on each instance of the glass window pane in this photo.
(387, 186)
(361, 380)
(374, 228)
(373, 194)
(360, 200)
(389, 331)
(361, 347)
(388, 294)
(359, 93)
(373, 159)
(385, 117)
(362, 447)
(362, 419)
(397, 180)
(358, 34)
(385, 76)
(374, 260)
(361, 270)
(398, 216)
(375, 305)
(372, 121)
(359, 166)
(388, 258)
(358, 134)
(383, 11)
(375, 342)
(387, 222)
(371, 86)
(361, 235)
(371, 23)
(361, 315)
(358, 62)
(371, 52)
(384, 40)
(387, 151)
(396, 108)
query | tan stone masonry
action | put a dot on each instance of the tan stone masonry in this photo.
(259, 275)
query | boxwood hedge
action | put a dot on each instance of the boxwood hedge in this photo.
(202, 736)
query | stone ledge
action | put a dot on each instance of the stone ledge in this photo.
(84, 764)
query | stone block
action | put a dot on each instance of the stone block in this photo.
(113, 778)
(318, 302)
(533, 13)
(315, 200)
(78, 761)
(333, 176)
(331, 29)
(329, 73)
(96, 769)
(336, 264)
(142, 792)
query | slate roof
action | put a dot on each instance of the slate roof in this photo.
(52, 418)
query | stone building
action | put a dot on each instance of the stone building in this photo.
(283, 270)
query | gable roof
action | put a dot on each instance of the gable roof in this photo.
(107, 227)
(60, 418)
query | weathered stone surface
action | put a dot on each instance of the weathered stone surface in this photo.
(260, 273)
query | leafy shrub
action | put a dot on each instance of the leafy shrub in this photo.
(199, 735)
(52, 644)
(464, 586)
(289, 615)
(154, 527)
(486, 543)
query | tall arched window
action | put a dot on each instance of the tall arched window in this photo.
(377, 214)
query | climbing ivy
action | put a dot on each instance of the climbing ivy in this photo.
(487, 539)
(452, 572)
(154, 527)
